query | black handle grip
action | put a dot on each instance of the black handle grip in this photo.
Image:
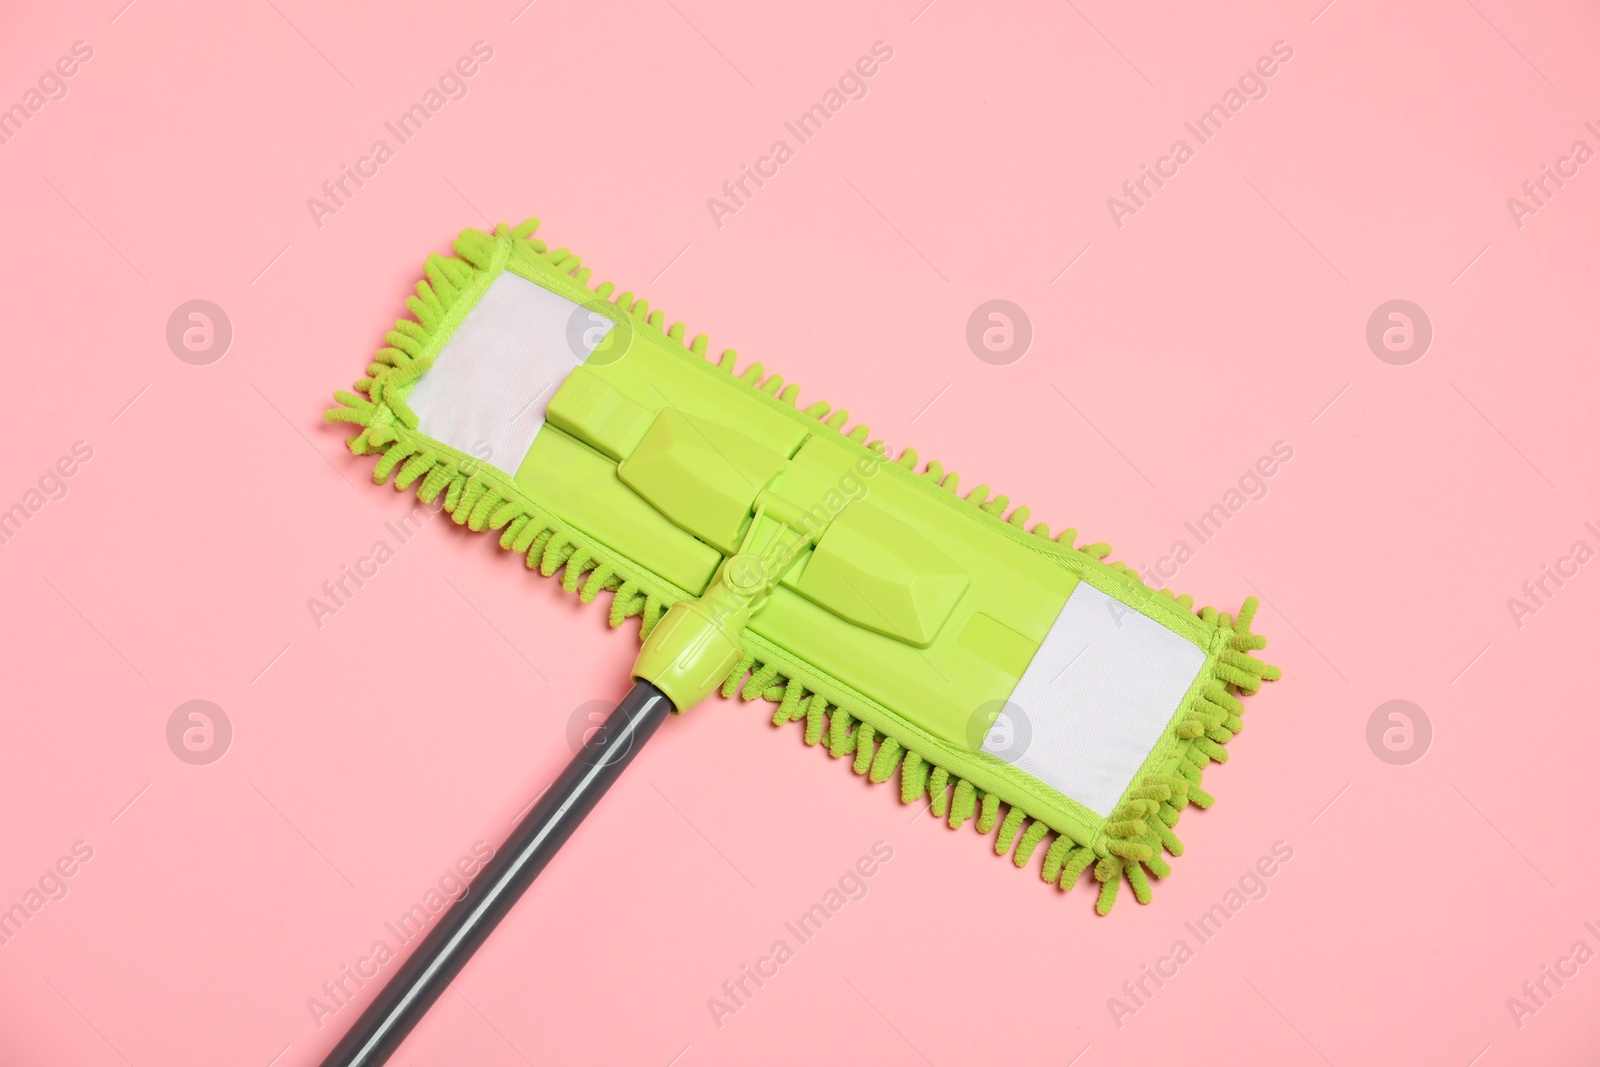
(404, 999)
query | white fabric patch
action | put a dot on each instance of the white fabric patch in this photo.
(486, 392)
(1095, 699)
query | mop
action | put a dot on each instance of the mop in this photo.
(1012, 678)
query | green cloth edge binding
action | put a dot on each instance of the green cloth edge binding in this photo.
(961, 784)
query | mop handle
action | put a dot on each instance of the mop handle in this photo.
(403, 1000)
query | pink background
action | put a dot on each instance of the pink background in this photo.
(1227, 314)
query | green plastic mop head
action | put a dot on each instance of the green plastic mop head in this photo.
(1018, 680)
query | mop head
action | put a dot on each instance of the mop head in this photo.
(1017, 679)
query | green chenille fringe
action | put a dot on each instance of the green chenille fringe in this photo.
(1131, 842)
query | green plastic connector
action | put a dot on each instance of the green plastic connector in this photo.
(698, 642)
